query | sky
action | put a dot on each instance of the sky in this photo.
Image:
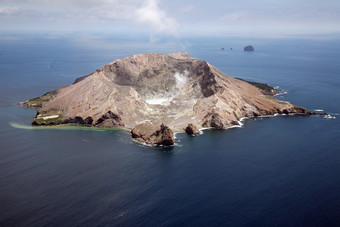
(174, 18)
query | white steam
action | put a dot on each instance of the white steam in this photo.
(164, 98)
(181, 79)
(157, 101)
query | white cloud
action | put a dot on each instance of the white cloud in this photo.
(60, 3)
(161, 17)
(8, 10)
(235, 16)
(156, 19)
(112, 14)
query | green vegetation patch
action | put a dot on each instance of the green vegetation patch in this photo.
(267, 89)
(63, 127)
(39, 101)
(40, 120)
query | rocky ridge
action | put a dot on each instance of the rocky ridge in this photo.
(155, 95)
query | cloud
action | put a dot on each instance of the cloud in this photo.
(235, 16)
(156, 19)
(109, 14)
(60, 3)
(8, 10)
(171, 18)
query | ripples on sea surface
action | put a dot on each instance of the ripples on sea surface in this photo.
(274, 171)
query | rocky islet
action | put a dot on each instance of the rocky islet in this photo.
(157, 95)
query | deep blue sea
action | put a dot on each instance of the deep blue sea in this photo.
(280, 171)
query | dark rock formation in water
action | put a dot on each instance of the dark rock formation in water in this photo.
(249, 48)
(192, 130)
(153, 134)
(169, 90)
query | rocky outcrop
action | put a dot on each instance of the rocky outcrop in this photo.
(214, 120)
(88, 121)
(249, 48)
(192, 130)
(174, 89)
(110, 120)
(76, 120)
(297, 110)
(153, 134)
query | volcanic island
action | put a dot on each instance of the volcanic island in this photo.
(157, 95)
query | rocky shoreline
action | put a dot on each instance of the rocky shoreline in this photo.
(153, 134)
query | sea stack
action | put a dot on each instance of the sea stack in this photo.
(249, 48)
(192, 130)
(157, 95)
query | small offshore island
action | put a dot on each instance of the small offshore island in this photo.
(157, 95)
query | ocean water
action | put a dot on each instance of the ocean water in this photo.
(280, 171)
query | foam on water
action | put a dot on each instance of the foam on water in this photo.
(329, 117)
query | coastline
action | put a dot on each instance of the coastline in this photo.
(201, 130)
(64, 127)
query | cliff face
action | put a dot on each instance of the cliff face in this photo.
(171, 89)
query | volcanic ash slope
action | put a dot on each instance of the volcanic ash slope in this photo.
(155, 91)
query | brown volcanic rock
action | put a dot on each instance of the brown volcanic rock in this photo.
(153, 134)
(214, 120)
(192, 130)
(110, 120)
(174, 89)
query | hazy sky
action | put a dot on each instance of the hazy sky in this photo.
(175, 17)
